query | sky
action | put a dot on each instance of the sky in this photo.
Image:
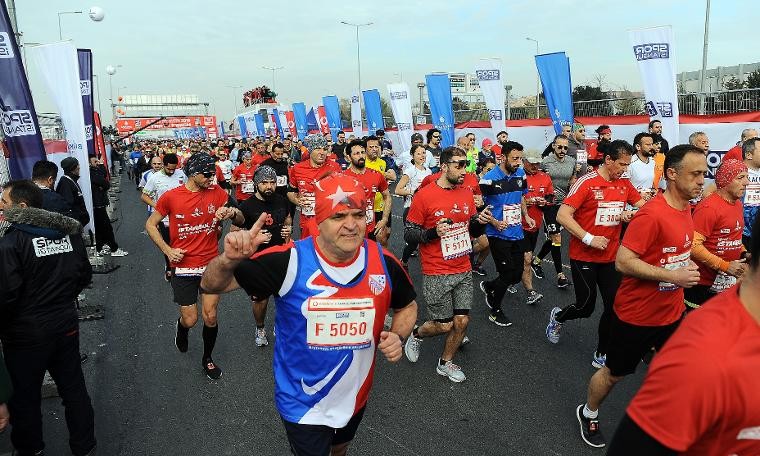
(204, 48)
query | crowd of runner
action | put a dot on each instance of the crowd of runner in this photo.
(309, 224)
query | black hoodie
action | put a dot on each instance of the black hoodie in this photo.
(69, 189)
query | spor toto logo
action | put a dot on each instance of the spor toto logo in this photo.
(6, 50)
(648, 51)
(84, 87)
(354, 99)
(398, 95)
(494, 114)
(488, 75)
(17, 123)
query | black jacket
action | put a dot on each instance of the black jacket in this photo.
(54, 202)
(6, 389)
(70, 191)
(100, 185)
(44, 266)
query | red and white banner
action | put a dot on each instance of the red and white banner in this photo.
(324, 127)
(291, 121)
(129, 125)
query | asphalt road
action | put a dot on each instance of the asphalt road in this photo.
(519, 397)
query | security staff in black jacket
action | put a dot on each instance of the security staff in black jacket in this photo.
(103, 230)
(44, 174)
(69, 189)
(44, 266)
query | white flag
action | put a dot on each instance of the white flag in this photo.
(488, 72)
(653, 50)
(356, 115)
(59, 65)
(402, 113)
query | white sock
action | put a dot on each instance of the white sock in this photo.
(590, 414)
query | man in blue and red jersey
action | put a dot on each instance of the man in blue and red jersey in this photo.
(333, 291)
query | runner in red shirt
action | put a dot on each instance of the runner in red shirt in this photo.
(302, 177)
(735, 153)
(260, 156)
(654, 259)
(242, 178)
(441, 219)
(718, 226)
(373, 182)
(592, 212)
(540, 194)
(700, 395)
(195, 211)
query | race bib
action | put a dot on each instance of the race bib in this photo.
(370, 214)
(340, 324)
(512, 214)
(582, 157)
(671, 264)
(752, 195)
(456, 243)
(722, 282)
(248, 187)
(608, 213)
(282, 181)
(189, 272)
(307, 203)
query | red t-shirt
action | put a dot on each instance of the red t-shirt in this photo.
(471, 182)
(302, 177)
(735, 153)
(539, 185)
(598, 204)
(661, 235)
(244, 174)
(373, 182)
(722, 224)
(700, 396)
(450, 254)
(192, 222)
(258, 159)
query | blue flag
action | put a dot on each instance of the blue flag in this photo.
(260, 125)
(276, 114)
(439, 94)
(17, 114)
(311, 121)
(373, 111)
(85, 85)
(554, 70)
(332, 111)
(243, 129)
(299, 115)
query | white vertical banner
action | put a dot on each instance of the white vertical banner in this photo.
(250, 124)
(653, 50)
(283, 124)
(489, 74)
(356, 115)
(401, 105)
(59, 66)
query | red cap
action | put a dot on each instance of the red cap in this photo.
(336, 193)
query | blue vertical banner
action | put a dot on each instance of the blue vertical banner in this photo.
(299, 115)
(373, 110)
(276, 114)
(554, 70)
(243, 129)
(439, 94)
(332, 111)
(221, 129)
(311, 120)
(85, 85)
(17, 114)
(260, 124)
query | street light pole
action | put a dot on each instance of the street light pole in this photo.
(358, 56)
(421, 86)
(538, 88)
(704, 61)
(273, 70)
(60, 32)
(234, 98)
(508, 88)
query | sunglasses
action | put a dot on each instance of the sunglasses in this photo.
(560, 147)
(458, 164)
(208, 174)
(436, 136)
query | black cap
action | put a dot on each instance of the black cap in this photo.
(417, 136)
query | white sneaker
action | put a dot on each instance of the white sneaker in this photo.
(412, 349)
(465, 341)
(119, 253)
(261, 337)
(451, 370)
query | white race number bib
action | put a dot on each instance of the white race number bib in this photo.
(456, 243)
(512, 214)
(608, 213)
(340, 324)
(307, 203)
(722, 282)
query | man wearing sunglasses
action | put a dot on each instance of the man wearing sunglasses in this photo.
(433, 159)
(441, 220)
(195, 211)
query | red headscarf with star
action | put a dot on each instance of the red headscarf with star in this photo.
(336, 193)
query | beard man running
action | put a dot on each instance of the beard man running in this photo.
(332, 291)
(195, 211)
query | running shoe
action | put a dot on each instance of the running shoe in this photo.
(562, 281)
(498, 318)
(450, 370)
(465, 341)
(554, 327)
(412, 349)
(489, 297)
(180, 338)
(599, 360)
(119, 253)
(261, 337)
(168, 275)
(538, 270)
(590, 432)
(212, 370)
(479, 270)
(533, 297)
(512, 289)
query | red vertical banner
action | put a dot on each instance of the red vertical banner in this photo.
(324, 127)
(291, 118)
(100, 145)
(273, 125)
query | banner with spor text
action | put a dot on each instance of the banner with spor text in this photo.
(17, 115)
(554, 71)
(489, 74)
(439, 94)
(84, 57)
(299, 114)
(356, 115)
(59, 67)
(332, 112)
(401, 106)
(373, 110)
(653, 50)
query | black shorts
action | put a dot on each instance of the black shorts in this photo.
(629, 343)
(316, 440)
(697, 295)
(530, 240)
(186, 289)
(550, 220)
(379, 216)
